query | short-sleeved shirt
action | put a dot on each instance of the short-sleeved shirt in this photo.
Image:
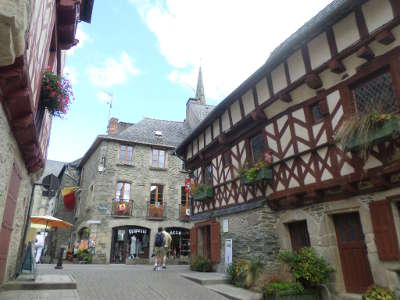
(167, 239)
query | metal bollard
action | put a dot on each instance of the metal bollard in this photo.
(60, 257)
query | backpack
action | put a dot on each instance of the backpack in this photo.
(159, 239)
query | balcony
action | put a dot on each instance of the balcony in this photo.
(156, 211)
(121, 209)
(183, 216)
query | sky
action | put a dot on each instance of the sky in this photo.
(144, 57)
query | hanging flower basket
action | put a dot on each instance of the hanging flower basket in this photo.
(202, 192)
(56, 94)
(260, 172)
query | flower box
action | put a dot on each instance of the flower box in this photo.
(290, 295)
(262, 174)
(386, 130)
(203, 194)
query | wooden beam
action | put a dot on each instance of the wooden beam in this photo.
(336, 66)
(285, 97)
(379, 181)
(314, 81)
(222, 138)
(385, 37)
(287, 73)
(331, 41)
(366, 53)
(349, 188)
(395, 7)
(361, 24)
(306, 58)
(258, 115)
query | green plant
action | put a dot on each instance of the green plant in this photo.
(306, 266)
(359, 127)
(85, 255)
(376, 292)
(257, 172)
(243, 273)
(56, 94)
(202, 192)
(201, 264)
(276, 287)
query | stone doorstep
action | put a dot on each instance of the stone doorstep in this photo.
(43, 282)
(205, 278)
(235, 293)
(348, 296)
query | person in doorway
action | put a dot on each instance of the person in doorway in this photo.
(39, 244)
(159, 249)
(167, 247)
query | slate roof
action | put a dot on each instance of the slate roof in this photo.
(52, 167)
(144, 132)
(332, 13)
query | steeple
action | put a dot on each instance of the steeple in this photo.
(200, 89)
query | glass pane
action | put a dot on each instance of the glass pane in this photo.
(153, 190)
(183, 195)
(127, 191)
(316, 111)
(122, 153)
(118, 192)
(257, 147)
(160, 194)
(155, 158)
(130, 152)
(376, 93)
(162, 159)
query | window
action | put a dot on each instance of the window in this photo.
(183, 195)
(208, 174)
(183, 167)
(316, 112)
(257, 147)
(226, 158)
(376, 93)
(123, 191)
(156, 193)
(126, 153)
(299, 235)
(158, 160)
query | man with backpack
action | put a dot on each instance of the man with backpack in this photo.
(159, 242)
(167, 247)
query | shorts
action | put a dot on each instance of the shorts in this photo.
(159, 251)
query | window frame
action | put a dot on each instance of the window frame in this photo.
(226, 163)
(159, 166)
(251, 147)
(119, 199)
(183, 195)
(124, 153)
(208, 174)
(294, 229)
(157, 193)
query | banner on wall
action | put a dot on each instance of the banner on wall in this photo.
(228, 252)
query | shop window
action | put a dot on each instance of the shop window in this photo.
(158, 160)
(156, 194)
(183, 195)
(376, 93)
(257, 147)
(123, 191)
(208, 175)
(180, 244)
(126, 153)
(226, 159)
(129, 242)
(299, 235)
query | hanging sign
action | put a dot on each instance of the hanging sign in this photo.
(188, 185)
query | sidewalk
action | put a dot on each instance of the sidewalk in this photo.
(40, 295)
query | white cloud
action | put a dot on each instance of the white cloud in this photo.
(113, 72)
(232, 38)
(83, 38)
(71, 73)
(104, 97)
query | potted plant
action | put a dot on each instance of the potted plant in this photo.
(376, 292)
(259, 172)
(56, 94)
(360, 133)
(202, 192)
(244, 273)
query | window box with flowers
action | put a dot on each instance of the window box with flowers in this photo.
(56, 94)
(257, 173)
(202, 192)
(360, 133)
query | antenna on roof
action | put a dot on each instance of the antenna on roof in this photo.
(108, 99)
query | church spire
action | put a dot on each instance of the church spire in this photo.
(200, 89)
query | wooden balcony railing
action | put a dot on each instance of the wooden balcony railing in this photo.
(121, 208)
(156, 211)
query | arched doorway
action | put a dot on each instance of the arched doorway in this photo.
(129, 242)
(180, 245)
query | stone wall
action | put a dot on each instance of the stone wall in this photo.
(9, 153)
(254, 237)
(98, 191)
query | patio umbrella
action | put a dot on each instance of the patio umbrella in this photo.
(50, 222)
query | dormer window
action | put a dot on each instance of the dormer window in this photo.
(158, 133)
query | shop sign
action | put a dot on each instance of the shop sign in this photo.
(175, 232)
(137, 230)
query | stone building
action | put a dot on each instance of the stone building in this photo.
(131, 183)
(309, 190)
(33, 38)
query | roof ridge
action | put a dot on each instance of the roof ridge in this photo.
(161, 120)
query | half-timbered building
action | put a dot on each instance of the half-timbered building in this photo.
(316, 192)
(33, 38)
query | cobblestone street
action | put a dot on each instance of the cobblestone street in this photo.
(132, 282)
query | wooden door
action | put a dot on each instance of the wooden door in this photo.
(8, 218)
(353, 253)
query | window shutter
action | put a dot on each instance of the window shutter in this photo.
(215, 242)
(193, 241)
(384, 230)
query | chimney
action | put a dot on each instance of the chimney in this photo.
(112, 127)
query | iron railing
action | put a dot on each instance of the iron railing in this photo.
(156, 211)
(121, 208)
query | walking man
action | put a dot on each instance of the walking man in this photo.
(159, 248)
(167, 247)
(39, 245)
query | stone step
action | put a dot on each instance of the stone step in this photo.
(348, 296)
(234, 293)
(42, 282)
(206, 278)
